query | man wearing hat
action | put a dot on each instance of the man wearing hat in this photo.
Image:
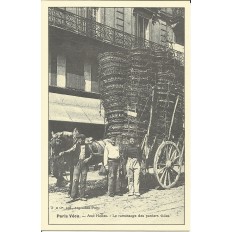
(82, 154)
(134, 157)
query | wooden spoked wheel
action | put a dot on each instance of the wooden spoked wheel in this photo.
(167, 164)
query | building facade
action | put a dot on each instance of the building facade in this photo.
(78, 35)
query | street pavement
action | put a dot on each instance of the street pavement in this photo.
(154, 206)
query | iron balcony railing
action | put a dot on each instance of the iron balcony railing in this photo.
(87, 27)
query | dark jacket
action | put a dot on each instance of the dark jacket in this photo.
(132, 151)
(75, 151)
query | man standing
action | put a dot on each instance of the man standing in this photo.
(134, 158)
(72, 156)
(111, 163)
(122, 180)
(82, 154)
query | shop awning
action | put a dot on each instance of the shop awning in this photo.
(68, 108)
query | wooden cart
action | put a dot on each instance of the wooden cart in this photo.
(168, 157)
(141, 88)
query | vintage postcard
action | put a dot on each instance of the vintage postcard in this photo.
(115, 115)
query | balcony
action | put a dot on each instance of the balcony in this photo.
(89, 28)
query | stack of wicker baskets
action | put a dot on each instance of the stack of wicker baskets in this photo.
(113, 71)
(138, 94)
(168, 114)
(126, 89)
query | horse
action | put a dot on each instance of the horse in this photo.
(62, 141)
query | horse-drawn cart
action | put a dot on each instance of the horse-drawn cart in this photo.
(143, 97)
(142, 93)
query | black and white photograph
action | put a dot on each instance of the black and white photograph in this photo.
(116, 86)
(116, 115)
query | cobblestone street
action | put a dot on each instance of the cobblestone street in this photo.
(154, 206)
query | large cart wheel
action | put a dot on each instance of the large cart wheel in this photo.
(167, 164)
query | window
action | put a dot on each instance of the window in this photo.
(75, 72)
(141, 27)
(179, 33)
(52, 69)
(91, 24)
(92, 13)
(94, 77)
(81, 11)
